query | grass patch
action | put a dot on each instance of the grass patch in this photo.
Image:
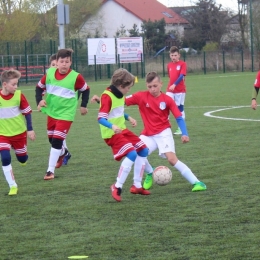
(76, 215)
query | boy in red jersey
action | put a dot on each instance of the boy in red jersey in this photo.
(122, 141)
(61, 85)
(176, 88)
(155, 107)
(13, 106)
(255, 91)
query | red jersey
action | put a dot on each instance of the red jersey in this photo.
(257, 80)
(80, 83)
(154, 111)
(175, 69)
(24, 105)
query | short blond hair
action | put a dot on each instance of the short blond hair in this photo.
(122, 77)
(8, 75)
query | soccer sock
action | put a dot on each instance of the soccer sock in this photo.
(183, 114)
(186, 172)
(9, 176)
(53, 159)
(65, 144)
(123, 172)
(139, 171)
(148, 167)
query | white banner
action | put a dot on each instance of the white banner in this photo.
(130, 49)
(103, 49)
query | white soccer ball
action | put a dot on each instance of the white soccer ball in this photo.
(162, 175)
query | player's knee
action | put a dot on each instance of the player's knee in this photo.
(56, 143)
(5, 157)
(22, 159)
(144, 152)
(132, 155)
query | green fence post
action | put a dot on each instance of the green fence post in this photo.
(163, 59)
(118, 60)
(129, 67)
(95, 67)
(76, 55)
(8, 53)
(224, 64)
(108, 71)
(204, 60)
(242, 59)
(26, 65)
(51, 47)
(31, 45)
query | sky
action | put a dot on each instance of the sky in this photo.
(232, 4)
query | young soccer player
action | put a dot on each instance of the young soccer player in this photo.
(122, 141)
(61, 84)
(155, 107)
(255, 91)
(13, 130)
(53, 63)
(176, 88)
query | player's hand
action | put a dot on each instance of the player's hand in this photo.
(132, 121)
(31, 135)
(254, 104)
(41, 104)
(185, 139)
(95, 98)
(172, 87)
(83, 111)
(116, 129)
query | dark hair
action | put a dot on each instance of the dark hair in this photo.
(7, 75)
(52, 57)
(122, 77)
(150, 76)
(174, 49)
(64, 53)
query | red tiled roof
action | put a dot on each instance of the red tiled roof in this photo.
(150, 9)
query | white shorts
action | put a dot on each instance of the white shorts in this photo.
(163, 141)
(179, 98)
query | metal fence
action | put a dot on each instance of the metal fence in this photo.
(32, 60)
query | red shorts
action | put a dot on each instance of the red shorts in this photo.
(123, 143)
(17, 142)
(57, 128)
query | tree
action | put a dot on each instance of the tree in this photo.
(208, 24)
(134, 32)
(154, 35)
(243, 21)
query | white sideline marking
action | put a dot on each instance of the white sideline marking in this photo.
(209, 114)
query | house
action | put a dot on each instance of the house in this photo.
(116, 14)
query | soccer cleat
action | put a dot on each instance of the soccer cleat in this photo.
(49, 176)
(60, 160)
(66, 158)
(23, 164)
(116, 192)
(178, 132)
(13, 191)
(141, 190)
(148, 182)
(199, 186)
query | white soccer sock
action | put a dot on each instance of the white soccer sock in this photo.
(53, 159)
(65, 144)
(123, 172)
(9, 176)
(139, 167)
(148, 167)
(186, 172)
